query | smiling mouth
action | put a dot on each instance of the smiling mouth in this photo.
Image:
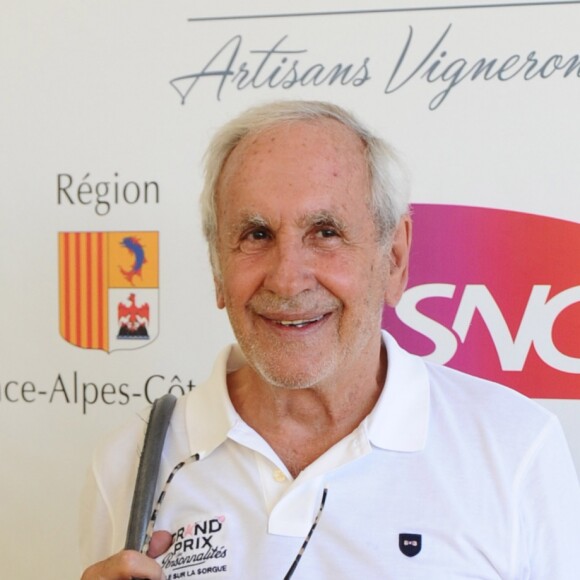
(298, 323)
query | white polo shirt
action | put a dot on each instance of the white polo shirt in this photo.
(449, 477)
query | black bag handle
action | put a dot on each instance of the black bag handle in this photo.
(148, 471)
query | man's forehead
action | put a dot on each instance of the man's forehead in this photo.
(315, 149)
(296, 135)
(313, 171)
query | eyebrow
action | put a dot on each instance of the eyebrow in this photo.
(316, 218)
(322, 218)
(248, 221)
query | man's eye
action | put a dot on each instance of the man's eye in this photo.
(327, 233)
(254, 239)
(257, 235)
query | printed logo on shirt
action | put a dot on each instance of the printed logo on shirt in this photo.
(198, 549)
(410, 544)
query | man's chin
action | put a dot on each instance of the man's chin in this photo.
(290, 379)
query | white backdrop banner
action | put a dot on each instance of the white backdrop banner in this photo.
(106, 297)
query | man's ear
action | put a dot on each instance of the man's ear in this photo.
(219, 294)
(399, 261)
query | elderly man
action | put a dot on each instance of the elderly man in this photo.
(407, 470)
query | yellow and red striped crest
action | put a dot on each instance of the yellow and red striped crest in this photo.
(109, 289)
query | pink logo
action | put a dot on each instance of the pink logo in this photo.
(495, 293)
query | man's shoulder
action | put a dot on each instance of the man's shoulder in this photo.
(467, 392)
(487, 413)
(204, 409)
(480, 392)
(127, 439)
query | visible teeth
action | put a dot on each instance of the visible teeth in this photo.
(299, 323)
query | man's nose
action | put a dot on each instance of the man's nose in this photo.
(290, 268)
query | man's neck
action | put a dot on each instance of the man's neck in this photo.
(301, 424)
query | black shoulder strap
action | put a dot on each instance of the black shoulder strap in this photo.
(148, 471)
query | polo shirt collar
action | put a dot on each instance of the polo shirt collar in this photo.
(209, 412)
(400, 419)
(398, 422)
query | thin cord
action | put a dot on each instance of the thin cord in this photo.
(301, 551)
(153, 517)
(193, 459)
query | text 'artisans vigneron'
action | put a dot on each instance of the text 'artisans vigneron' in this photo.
(284, 66)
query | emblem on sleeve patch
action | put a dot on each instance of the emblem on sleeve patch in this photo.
(410, 544)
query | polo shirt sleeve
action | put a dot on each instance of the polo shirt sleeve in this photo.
(107, 493)
(549, 509)
(95, 523)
